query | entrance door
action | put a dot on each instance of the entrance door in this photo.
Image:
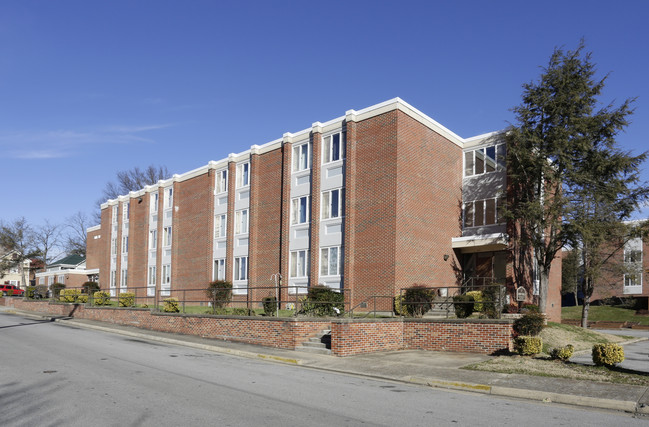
(484, 268)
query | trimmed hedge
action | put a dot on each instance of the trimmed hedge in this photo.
(323, 301)
(270, 306)
(418, 300)
(219, 292)
(126, 299)
(528, 346)
(170, 305)
(563, 353)
(477, 297)
(530, 324)
(101, 298)
(464, 305)
(69, 295)
(607, 354)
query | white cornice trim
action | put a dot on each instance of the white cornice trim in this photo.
(93, 228)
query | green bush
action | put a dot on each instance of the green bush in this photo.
(90, 287)
(56, 289)
(528, 346)
(477, 297)
(323, 301)
(69, 295)
(221, 311)
(170, 305)
(41, 291)
(101, 298)
(530, 308)
(607, 354)
(530, 324)
(126, 299)
(493, 301)
(270, 306)
(242, 311)
(464, 305)
(563, 353)
(219, 292)
(82, 298)
(399, 308)
(418, 300)
(29, 292)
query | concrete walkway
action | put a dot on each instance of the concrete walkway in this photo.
(435, 369)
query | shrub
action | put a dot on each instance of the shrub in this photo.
(56, 289)
(41, 291)
(323, 301)
(464, 305)
(493, 301)
(528, 346)
(101, 298)
(242, 311)
(511, 308)
(530, 308)
(29, 292)
(399, 308)
(563, 353)
(530, 324)
(477, 297)
(82, 298)
(170, 305)
(90, 287)
(607, 354)
(270, 306)
(126, 299)
(69, 295)
(219, 292)
(418, 300)
(9, 292)
(218, 310)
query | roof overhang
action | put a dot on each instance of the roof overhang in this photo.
(481, 243)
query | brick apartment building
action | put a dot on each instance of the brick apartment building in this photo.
(370, 202)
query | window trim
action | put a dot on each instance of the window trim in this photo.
(296, 206)
(326, 208)
(500, 151)
(339, 261)
(218, 268)
(238, 215)
(240, 175)
(294, 259)
(221, 181)
(237, 270)
(220, 226)
(167, 236)
(297, 167)
(328, 153)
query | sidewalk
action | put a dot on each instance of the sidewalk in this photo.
(435, 369)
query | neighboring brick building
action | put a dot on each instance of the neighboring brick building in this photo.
(70, 271)
(370, 202)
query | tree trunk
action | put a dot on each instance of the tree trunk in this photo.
(576, 298)
(543, 276)
(584, 312)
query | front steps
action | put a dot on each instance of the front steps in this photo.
(320, 344)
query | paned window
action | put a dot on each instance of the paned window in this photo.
(332, 203)
(166, 274)
(124, 244)
(153, 239)
(219, 269)
(123, 278)
(632, 256)
(222, 181)
(631, 280)
(166, 236)
(331, 261)
(61, 278)
(154, 202)
(301, 157)
(485, 160)
(151, 280)
(241, 221)
(113, 246)
(483, 212)
(243, 175)
(300, 263)
(169, 198)
(220, 225)
(241, 268)
(114, 216)
(300, 210)
(126, 209)
(333, 147)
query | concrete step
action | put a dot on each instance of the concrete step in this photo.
(313, 350)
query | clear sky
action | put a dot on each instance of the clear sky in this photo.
(88, 88)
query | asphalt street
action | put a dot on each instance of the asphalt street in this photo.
(56, 375)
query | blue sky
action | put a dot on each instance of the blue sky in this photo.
(88, 88)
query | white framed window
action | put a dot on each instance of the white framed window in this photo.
(301, 157)
(50, 280)
(241, 268)
(241, 221)
(153, 238)
(243, 175)
(41, 280)
(333, 147)
(632, 255)
(124, 244)
(114, 215)
(222, 181)
(123, 282)
(632, 280)
(153, 199)
(61, 279)
(126, 209)
(151, 276)
(331, 261)
(300, 265)
(220, 225)
(485, 160)
(166, 236)
(484, 212)
(300, 210)
(166, 274)
(169, 198)
(332, 203)
(113, 246)
(219, 269)
(113, 282)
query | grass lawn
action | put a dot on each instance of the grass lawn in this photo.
(602, 312)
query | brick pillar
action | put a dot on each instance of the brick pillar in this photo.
(350, 209)
(210, 221)
(158, 247)
(316, 163)
(254, 225)
(285, 232)
(232, 180)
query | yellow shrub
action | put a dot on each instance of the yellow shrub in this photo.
(607, 354)
(101, 298)
(126, 299)
(69, 295)
(477, 297)
(563, 353)
(528, 346)
(170, 305)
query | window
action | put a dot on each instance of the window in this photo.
(169, 198)
(154, 202)
(631, 280)
(220, 225)
(166, 274)
(125, 245)
(484, 212)
(632, 256)
(166, 236)
(153, 239)
(300, 264)
(332, 203)
(113, 278)
(219, 269)
(61, 279)
(241, 268)
(243, 175)
(485, 160)
(50, 280)
(126, 208)
(41, 280)
(331, 261)
(124, 278)
(300, 210)
(241, 222)
(114, 216)
(151, 280)
(333, 147)
(222, 181)
(113, 246)
(301, 157)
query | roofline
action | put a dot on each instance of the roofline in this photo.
(302, 135)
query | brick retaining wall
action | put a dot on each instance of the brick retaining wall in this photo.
(348, 336)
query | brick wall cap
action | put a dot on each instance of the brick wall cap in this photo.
(487, 321)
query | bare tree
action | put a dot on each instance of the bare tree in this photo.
(75, 240)
(17, 237)
(47, 240)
